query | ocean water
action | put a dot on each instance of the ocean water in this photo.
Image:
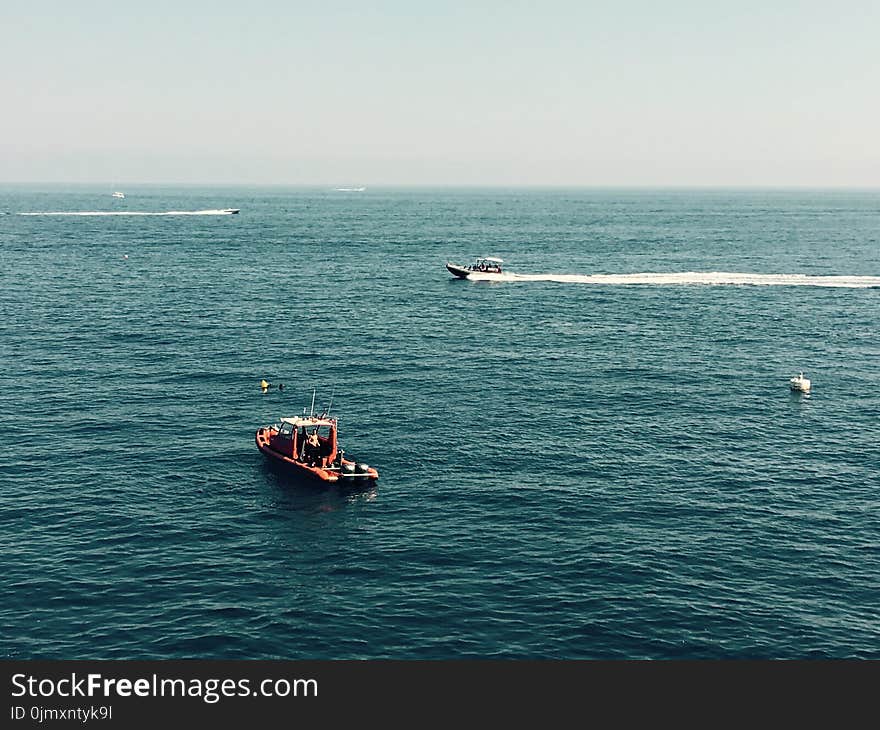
(598, 459)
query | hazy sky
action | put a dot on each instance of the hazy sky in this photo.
(619, 92)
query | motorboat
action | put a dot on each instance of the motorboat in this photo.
(231, 211)
(799, 383)
(117, 194)
(482, 266)
(308, 445)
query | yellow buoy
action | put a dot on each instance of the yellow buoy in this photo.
(264, 384)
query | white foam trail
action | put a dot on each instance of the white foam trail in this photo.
(217, 211)
(711, 278)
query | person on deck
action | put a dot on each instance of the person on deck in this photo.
(313, 448)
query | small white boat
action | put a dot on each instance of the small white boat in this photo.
(482, 266)
(117, 194)
(799, 383)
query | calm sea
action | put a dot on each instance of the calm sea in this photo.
(571, 466)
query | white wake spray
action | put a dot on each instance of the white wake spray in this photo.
(216, 211)
(711, 278)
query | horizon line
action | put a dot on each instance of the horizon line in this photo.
(484, 186)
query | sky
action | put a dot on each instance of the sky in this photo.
(392, 92)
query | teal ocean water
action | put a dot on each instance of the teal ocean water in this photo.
(599, 460)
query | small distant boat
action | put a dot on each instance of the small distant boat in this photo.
(349, 190)
(481, 266)
(308, 446)
(232, 211)
(799, 383)
(117, 194)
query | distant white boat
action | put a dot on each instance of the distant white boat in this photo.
(349, 190)
(483, 267)
(117, 194)
(800, 383)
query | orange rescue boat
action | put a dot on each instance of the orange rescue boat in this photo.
(308, 445)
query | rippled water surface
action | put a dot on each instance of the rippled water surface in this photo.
(599, 458)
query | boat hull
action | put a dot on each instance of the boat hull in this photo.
(460, 271)
(327, 475)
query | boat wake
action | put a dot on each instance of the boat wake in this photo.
(216, 211)
(713, 278)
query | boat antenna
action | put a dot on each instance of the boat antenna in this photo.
(330, 405)
(312, 412)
